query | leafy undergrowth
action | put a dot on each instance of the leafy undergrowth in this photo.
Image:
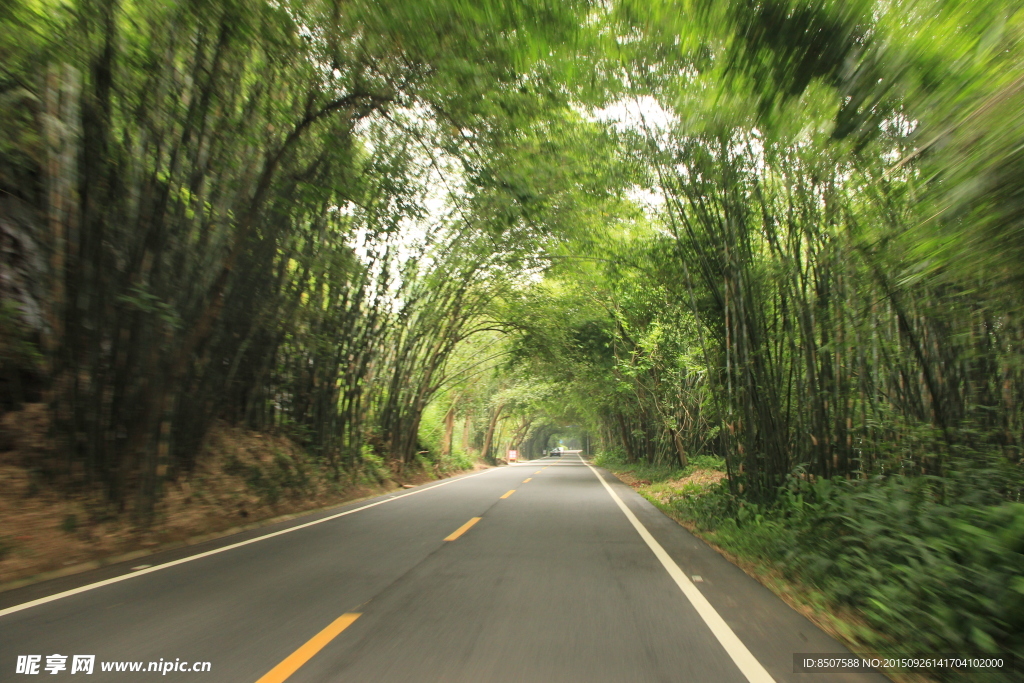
(890, 565)
(242, 478)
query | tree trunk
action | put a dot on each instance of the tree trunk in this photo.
(486, 450)
(449, 425)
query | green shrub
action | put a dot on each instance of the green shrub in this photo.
(284, 476)
(290, 474)
(431, 435)
(705, 462)
(616, 460)
(455, 461)
(374, 469)
(612, 458)
(70, 524)
(6, 547)
(932, 564)
(928, 574)
(709, 508)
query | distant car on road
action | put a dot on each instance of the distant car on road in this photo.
(556, 452)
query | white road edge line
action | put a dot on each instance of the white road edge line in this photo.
(746, 662)
(148, 570)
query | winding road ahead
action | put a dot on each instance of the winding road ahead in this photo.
(544, 571)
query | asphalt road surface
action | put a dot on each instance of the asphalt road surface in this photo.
(544, 571)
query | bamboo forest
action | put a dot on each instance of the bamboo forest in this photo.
(773, 249)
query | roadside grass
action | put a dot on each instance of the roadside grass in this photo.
(893, 565)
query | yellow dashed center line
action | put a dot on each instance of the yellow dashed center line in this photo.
(509, 493)
(527, 479)
(462, 529)
(296, 659)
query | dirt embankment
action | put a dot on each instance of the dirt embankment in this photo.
(243, 478)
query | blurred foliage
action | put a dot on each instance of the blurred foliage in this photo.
(926, 575)
(817, 283)
(926, 567)
(778, 237)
